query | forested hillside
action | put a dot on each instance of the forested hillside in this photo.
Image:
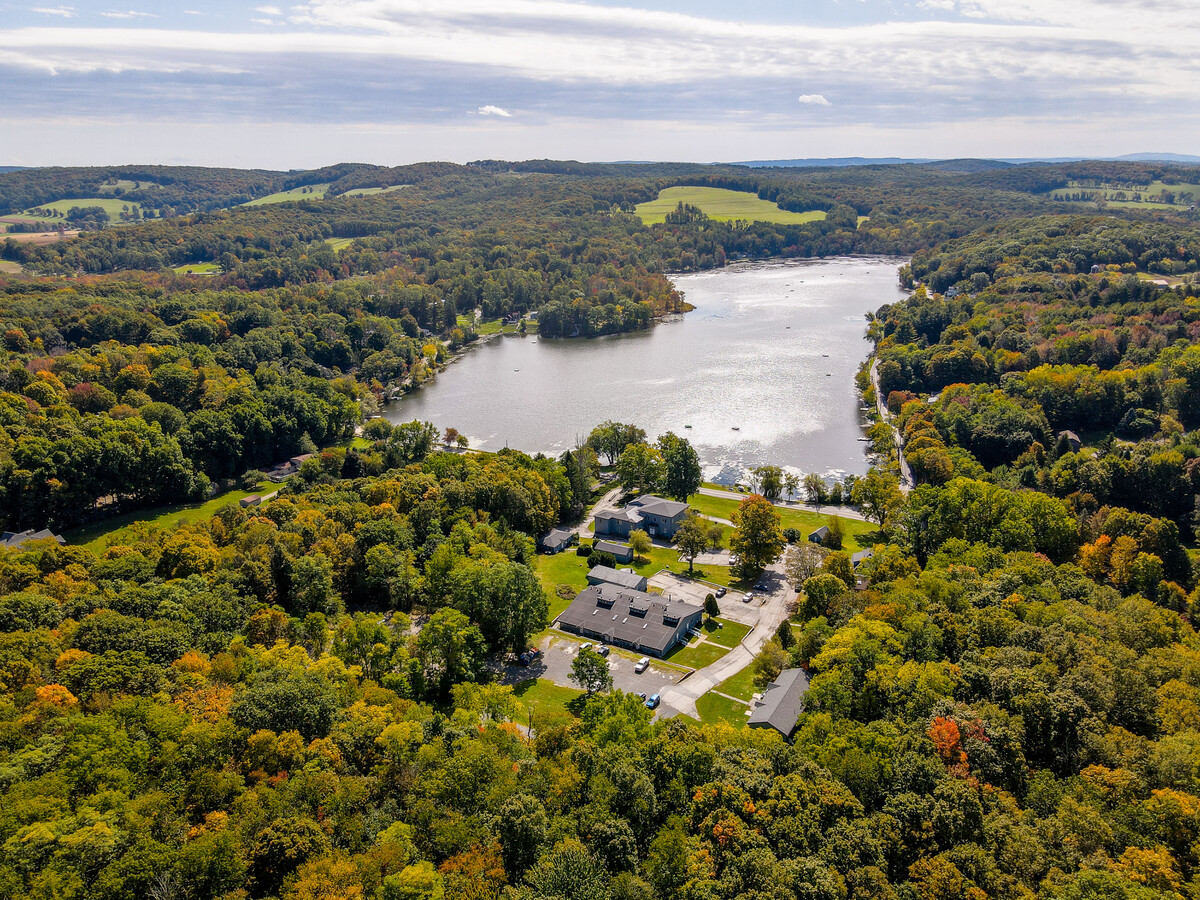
(297, 700)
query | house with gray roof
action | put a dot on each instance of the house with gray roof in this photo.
(857, 559)
(14, 540)
(622, 553)
(820, 536)
(645, 623)
(656, 516)
(623, 578)
(781, 703)
(557, 540)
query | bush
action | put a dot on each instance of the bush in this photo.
(791, 535)
(602, 559)
(584, 548)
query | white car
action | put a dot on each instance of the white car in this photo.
(747, 598)
(642, 665)
(586, 646)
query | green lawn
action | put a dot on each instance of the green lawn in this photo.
(802, 520)
(730, 633)
(697, 657)
(110, 531)
(546, 700)
(714, 708)
(306, 192)
(722, 205)
(339, 243)
(114, 206)
(371, 191)
(9, 267)
(199, 268)
(740, 685)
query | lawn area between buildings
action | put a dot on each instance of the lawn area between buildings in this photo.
(721, 205)
(110, 531)
(802, 520)
(740, 685)
(730, 634)
(698, 656)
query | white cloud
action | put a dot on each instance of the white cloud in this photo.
(814, 99)
(494, 111)
(67, 12)
(269, 10)
(128, 14)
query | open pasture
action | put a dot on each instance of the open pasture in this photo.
(722, 205)
(305, 192)
(114, 206)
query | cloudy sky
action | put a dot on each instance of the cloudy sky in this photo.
(279, 85)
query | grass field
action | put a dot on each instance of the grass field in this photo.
(199, 268)
(126, 185)
(372, 191)
(10, 268)
(722, 205)
(306, 192)
(802, 520)
(339, 243)
(114, 206)
(730, 633)
(697, 657)
(110, 531)
(546, 700)
(1123, 196)
(714, 708)
(740, 685)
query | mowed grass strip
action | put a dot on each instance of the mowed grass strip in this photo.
(697, 657)
(722, 205)
(305, 192)
(111, 531)
(545, 701)
(114, 206)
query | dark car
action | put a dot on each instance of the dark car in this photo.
(721, 592)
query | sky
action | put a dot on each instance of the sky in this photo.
(283, 86)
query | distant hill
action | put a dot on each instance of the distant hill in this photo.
(12, 168)
(958, 165)
(839, 161)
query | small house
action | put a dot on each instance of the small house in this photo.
(622, 578)
(622, 553)
(252, 500)
(781, 703)
(15, 540)
(861, 557)
(1072, 440)
(820, 536)
(557, 540)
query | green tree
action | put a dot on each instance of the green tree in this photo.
(692, 537)
(641, 543)
(589, 670)
(876, 494)
(682, 467)
(640, 468)
(450, 650)
(524, 831)
(611, 438)
(769, 662)
(768, 481)
(712, 608)
(758, 540)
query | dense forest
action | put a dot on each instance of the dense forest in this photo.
(297, 700)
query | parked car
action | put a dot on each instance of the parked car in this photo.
(721, 592)
(641, 695)
(642, 665)
(652, 701)
(602, 650)
(587, 645)
(747, 598)
(529, 657)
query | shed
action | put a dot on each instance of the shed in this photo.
(622, 553)
(623, 578)
(557, 540)
(820, 536)
(252, 500)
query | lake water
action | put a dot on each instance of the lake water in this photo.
(762, 370)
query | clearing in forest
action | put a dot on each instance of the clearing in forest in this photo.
(722, 205)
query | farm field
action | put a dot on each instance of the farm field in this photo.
(198, 268)
(1123, 196)
(722, 205)
(114, 206)
(305, 192)
(371, 191)
(124, 184)
(40, 237)
(339, 243)
(10, 268)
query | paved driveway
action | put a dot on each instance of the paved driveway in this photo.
(559, 651)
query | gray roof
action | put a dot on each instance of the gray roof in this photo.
(821, 532)
(629, 617)
(861, 556)
(618, 577)
(659, 506)
(14, 539)
(612, 547)
(558, 537)
(625, 515)
(782, 702)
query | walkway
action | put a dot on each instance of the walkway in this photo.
(906, 479)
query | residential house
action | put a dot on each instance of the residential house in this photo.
(820, 536)
(645, 623)
(1072, 440)
(14, 540)
(781, 703)
(656, 516)
(557, 540)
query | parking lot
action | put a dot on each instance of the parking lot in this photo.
(559, 651)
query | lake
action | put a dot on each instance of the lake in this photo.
(762, 370)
